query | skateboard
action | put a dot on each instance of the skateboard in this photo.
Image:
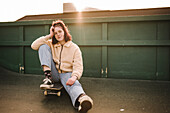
(55, 90)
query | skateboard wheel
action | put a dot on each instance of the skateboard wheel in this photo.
(45, 93)
(59, 93)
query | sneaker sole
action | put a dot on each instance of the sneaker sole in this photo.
(85, 106)
(45, 86)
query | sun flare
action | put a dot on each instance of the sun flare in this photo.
(79, 6)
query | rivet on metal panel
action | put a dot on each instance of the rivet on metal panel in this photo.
(102, 71)
(21, 68)
(157, 74)
(106, 70)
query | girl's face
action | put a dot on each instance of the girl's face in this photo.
(59, 33)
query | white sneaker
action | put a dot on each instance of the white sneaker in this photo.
(47, 83)
(86, 103)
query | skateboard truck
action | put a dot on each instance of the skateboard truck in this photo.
(48, 92)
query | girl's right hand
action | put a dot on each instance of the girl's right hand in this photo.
(51, 31)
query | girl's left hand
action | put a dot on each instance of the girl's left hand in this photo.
(71, 80)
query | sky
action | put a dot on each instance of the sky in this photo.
(11, 10)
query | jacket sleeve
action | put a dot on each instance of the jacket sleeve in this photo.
(77, 64)
(38, 42)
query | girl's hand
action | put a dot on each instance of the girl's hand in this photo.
(71, 80)
(51, 32)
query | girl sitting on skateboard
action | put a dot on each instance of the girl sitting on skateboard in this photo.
(61, 60)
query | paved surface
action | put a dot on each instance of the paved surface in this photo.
(20, 93)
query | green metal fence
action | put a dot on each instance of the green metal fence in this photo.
(134, 47)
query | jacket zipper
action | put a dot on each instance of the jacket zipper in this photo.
(60, 56)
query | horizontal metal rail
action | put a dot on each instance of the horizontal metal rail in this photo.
(100, 43)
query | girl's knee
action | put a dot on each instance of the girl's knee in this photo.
(44, 46)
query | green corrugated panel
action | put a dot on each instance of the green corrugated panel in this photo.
(136, 47)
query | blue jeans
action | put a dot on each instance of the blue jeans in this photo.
(46, 59)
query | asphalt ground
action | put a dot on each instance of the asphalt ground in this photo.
(20, 93)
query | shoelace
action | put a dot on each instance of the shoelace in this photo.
(46, 80)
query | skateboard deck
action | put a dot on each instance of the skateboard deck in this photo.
(55, 90)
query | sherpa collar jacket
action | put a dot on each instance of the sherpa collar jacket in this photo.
(68, 58)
